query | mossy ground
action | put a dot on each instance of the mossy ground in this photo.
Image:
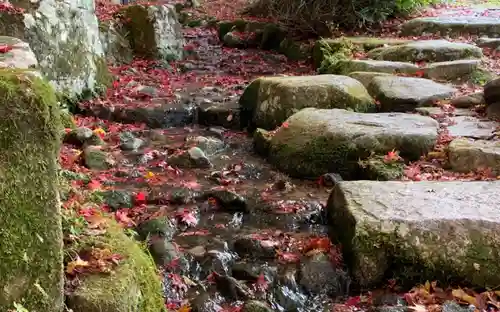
(133, 286)
(31, 254)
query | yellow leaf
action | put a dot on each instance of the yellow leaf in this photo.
(75, 264)
(149, 175)
(99, 131)
(460, 294)
(427, 286)
(184, 308)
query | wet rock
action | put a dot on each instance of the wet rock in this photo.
(402, 94)
(228, 200)
(453, 70)
(287, 299)
(192, 158)
(269, 101)
(492, 92)
(318, 141)
(468, 101)
(116, 199)
(96, 159)
(472, 127)
(427, 51)
(256, 306)
(220, 261)
(366, 77)
(232, 40)
(455, 25)
(349, 66)
(154, 31)
(163, 251)
(226, 114)
(197, 252)
(466, 155)
(452, 306)
(493, 111)
(181, 195)
(160, 226)
(253, 248)
(231, 287)
(375, 168)
(380, 224)
(82, 136)
(209, 145)
(261, 141)
(246, 271)
(318, 276)
(129, 142)
(205, 303)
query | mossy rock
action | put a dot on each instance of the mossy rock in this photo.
(294, 50)
(269, 101)
(31, 234)
(326, 52)
(67, 119)
(261, 141)
(116, 45)
(366, 77)
(375, 168)
(134, 286)
(319, 141)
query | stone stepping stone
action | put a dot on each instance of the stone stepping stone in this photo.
(403, 94)
(452, 70)
(452, 26)
(435, 110)
(472, 127)
(466, 155)
(347, 67)
(427, 51)
(316, 141)
(269, 101)
(366, 77)
(450, 229)
(492, 43)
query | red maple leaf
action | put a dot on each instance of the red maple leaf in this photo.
(140, 198)
(187, 216)
(5, 48)
(261, 284)
(94, 184)
(122, 217)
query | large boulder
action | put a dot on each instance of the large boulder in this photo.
(402, 94)
(418, 231)
(154, 31)
(30, 227)
(317, 141)
(268, 101)
(456, 25)
(64, 36)
(134, 285)
(492, 92)
(427, 51)
(466, 155)
(116, 46)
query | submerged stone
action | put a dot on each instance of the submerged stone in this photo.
(318, 141)
(269, 101)
(418, 230)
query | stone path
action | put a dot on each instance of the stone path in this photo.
(264, 224)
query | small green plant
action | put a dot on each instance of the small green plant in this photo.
(19, 308)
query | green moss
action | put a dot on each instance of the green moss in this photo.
(223, 28)
(135, 285)
(67, 119)
(481, 77)
(104, 78)
(332, 56)
(30, 252)
(375, 168)
(141, 33)
(261, 141)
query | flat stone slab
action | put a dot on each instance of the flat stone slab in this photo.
(466, 155)
(268, 101)
(428, 230)
(452, 70)
(366, 77)
(492, 43)
(435, 110)
(317, 141)
(346, 67)
(403, 94)
(472, 127)
(453, 25)
(427, 51)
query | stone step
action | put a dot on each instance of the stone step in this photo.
(427, 51)
(426, 230)
(466, 155)
(452, 26)
(315, 141)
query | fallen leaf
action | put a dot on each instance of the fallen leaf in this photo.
(76, 264)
